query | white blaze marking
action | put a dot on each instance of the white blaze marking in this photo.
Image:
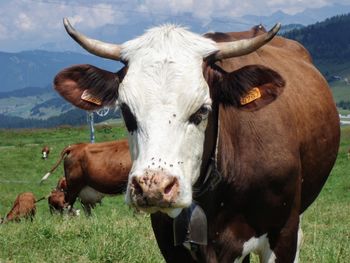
(163, 87)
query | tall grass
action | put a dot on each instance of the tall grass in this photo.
(114, 233)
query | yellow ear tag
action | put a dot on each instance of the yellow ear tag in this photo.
(252, 95)
(86, 96)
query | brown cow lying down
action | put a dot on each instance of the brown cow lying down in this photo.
(23, 207)
(94, 170)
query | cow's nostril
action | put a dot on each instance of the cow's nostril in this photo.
(170, 186)
(137, 187)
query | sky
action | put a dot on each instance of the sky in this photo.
(28, 24)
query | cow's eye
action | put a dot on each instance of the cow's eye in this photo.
(200, 115)
(129, 118)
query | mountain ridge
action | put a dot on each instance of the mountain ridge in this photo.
(38, 103)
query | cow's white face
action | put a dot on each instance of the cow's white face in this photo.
(166, 102)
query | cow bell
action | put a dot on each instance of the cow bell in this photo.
(190, 227)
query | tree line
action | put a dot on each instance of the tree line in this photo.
(327, 41)
(75, 117)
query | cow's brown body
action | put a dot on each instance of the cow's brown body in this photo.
(91, 173)
(276, 168)
(23, 207)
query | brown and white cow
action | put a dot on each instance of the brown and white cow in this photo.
(57, 201)
(244, 129)
(45, 152)
(57, 197)
(23, 207)
(92, 170)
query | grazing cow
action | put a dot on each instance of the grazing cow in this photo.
(45, 152)
(56, 201)
(91, 172)
(56, 198)
(232, 136)
(62, 184)
(23, 207)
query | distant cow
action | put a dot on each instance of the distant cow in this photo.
(45, 152)
(92, 171)
(23, 207)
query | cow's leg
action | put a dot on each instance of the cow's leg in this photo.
(163, 229)
(70, 199)
(283, 244)
(300, 241)
(87, 208)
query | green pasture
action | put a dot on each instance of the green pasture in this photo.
(115, 233)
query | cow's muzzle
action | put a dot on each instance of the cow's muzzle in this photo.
(154, 189)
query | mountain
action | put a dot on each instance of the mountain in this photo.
(33, 102)
(328, 44)
(139, 22)
(74, 117)
(28, 100)
(306, 17)
(289, 27)
(37, 68)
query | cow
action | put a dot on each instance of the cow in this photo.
(232, 136)
(90, 174)
(62, 184)
(57, 202)
(45, 152)
(56, 198)
(23, 207)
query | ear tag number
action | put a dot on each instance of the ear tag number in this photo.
(86, 96)
(252, 95)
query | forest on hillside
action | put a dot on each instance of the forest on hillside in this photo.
(327, 41)
(73, 117)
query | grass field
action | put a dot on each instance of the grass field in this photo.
(114, 233)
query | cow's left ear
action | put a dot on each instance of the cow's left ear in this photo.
(87, 87)
(251, 87)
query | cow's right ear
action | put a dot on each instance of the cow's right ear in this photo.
(87, 87)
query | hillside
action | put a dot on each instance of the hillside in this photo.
(28, 100)
(73, 117)
(37, 68)
(328, 43)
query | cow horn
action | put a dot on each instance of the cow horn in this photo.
(96, 47)
(244, 46)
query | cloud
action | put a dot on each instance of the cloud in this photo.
(296, 6)
(40, 21)
(3, 32)
(24, 22)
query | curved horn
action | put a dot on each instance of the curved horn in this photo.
(96, 47)
(244, 46)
